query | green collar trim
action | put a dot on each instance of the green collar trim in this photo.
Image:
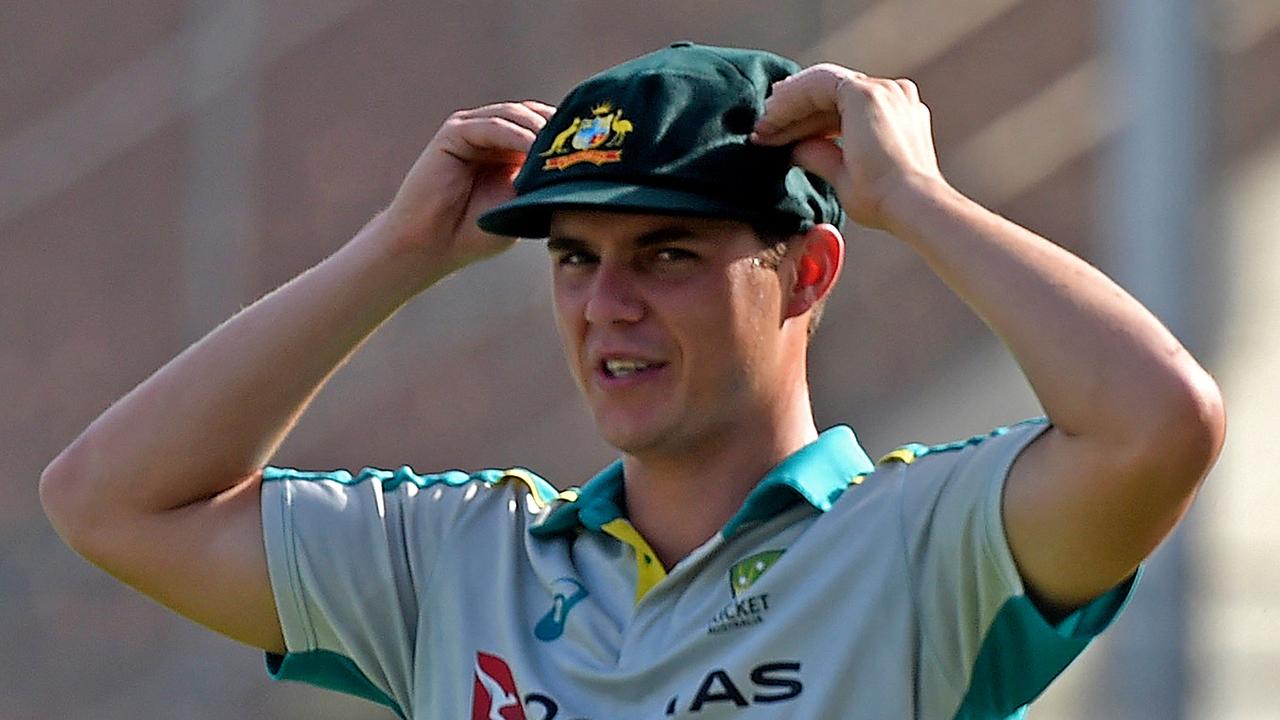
(596, 503)
(818, 473)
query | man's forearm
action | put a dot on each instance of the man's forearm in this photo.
(1100, 363)
(221, 408)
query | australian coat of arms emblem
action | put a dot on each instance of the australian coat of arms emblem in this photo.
(596, 139)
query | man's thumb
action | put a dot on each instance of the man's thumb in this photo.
(823, 158)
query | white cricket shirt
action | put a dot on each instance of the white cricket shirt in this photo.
(840, 589)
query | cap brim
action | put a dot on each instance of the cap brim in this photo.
(529, 215)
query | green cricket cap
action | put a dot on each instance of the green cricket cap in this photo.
(668, 133)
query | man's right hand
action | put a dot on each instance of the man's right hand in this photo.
(466, 169)
(162, 490)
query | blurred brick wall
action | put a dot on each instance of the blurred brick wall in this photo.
(91, 295)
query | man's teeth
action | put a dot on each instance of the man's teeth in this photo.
(620, 368)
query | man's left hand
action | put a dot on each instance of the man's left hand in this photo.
(885, 139)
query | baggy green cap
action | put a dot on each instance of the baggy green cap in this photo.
(668, 133)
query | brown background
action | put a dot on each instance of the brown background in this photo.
(147, 191)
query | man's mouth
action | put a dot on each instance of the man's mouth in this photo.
(621, 368)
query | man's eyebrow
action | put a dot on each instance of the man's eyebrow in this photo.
(564, 243)
(667, 234)
(657, 236)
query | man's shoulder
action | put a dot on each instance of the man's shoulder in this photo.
(392, 480)
(917, 475)
(377, 489)
(917, 459)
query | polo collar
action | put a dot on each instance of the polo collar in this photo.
(817, 473)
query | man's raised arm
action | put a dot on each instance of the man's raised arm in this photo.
(1136, 422)
(162, 490)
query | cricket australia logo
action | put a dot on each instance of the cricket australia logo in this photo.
(596, 139)
(744, 610)
(747, 571)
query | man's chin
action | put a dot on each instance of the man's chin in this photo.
(632, 438)
(630, 442)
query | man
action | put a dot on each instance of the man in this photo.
(734, 563)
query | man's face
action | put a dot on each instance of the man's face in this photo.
(671, 326)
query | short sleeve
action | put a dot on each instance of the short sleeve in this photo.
(982, 637)
(345, 555)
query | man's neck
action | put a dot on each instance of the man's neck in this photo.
(677, 501)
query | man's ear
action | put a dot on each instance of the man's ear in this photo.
(815, 267)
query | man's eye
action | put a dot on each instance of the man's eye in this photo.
(674, 253)
(574, 258)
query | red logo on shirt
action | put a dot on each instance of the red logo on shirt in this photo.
(495, 696)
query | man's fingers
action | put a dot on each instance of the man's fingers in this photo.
(529, 114)
(816, 125)
(498, 133)
(804, 104)
(490, 138)
(540, 107)
(808, 103)
(909, 88)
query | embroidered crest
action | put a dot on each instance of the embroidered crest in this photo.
(596, 139)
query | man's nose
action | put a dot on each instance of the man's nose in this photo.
(614, 296)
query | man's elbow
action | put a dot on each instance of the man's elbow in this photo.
(67, 493)
(1206, 420)
(1183, 441)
